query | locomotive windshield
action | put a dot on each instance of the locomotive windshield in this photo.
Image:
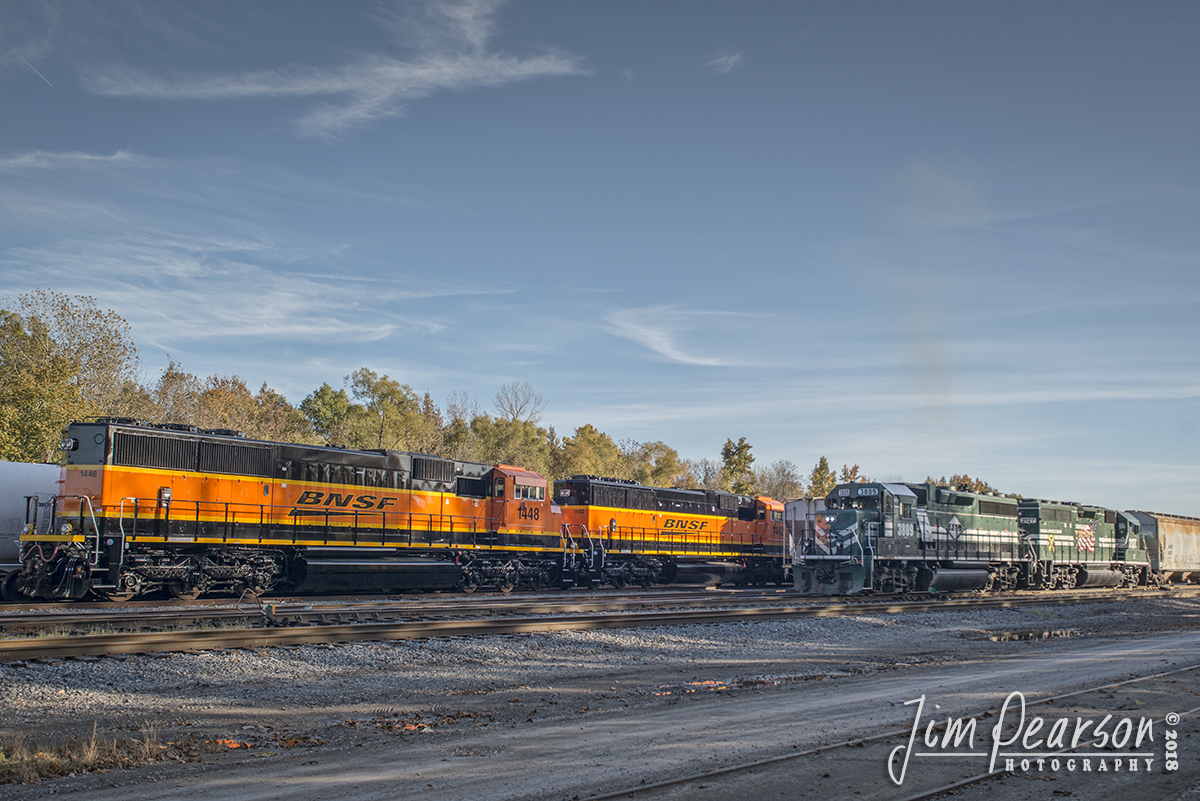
(856, 503)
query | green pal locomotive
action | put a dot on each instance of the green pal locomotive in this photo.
(893, 537)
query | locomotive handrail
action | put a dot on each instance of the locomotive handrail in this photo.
(228, 515)
(121, 524)
(96, 528)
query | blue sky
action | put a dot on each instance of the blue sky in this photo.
(923, 237)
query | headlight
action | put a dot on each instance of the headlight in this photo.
(69, 444)
(65, 529)
(27, 529)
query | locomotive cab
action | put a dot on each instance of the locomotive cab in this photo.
(521, 502)
(860, 523)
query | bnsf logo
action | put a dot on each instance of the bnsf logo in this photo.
(348, 500)
(686, 525)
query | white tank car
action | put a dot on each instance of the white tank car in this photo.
(17, 480)
(1173, 544)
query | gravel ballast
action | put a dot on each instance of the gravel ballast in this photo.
(336, 696)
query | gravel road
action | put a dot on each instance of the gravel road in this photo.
(575, 713)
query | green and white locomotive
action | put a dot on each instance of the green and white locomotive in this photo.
(892, 537)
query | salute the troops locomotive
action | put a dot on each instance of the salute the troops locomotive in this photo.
(892, 537)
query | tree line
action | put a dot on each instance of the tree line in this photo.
(63, 358)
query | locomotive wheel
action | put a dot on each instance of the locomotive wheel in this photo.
(183, 592)
(8, 589)
(506, 585)
(119, 597)
(618, 581)
(467, 584)
(647, 582)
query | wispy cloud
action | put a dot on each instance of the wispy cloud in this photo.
(727, 63)
(180, 291)
(42, 160)
(452, 56)
(195, 251)
(672, 332)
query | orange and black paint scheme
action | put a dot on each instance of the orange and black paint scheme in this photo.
(145, 508)
(709, 535)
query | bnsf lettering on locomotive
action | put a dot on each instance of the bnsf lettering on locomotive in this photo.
(313, 498)
(686, 525)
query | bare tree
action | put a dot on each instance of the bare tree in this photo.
(518, 401)
(781, 480)
(460, 406)
(703, 474)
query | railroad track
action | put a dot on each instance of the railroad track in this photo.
(309, 613)
(435, 596)
(271, 630)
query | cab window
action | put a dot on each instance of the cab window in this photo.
(528, 492)
(500, 488)
(858, 503)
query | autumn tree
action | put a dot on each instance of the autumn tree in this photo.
(176, 395)
(458, 441)
(226, 402)
(37, 396)
(654, 464)
(392, 410)
(590, 451)
(136, 401)
(962, 481)
(277, 419)
(852, 475)
(822, 479)
(736, 461)
(95, 341)
(61, 358)
(426, 434)
(217, 402)
(515, 442)
(327, 410)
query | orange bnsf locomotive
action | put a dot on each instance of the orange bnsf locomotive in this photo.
(145, 508)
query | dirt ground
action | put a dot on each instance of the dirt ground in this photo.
(567, 717)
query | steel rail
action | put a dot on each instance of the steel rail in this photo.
(299, 613)
(208, 639)
(296, 613)
(366, 599)
(293, 614)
